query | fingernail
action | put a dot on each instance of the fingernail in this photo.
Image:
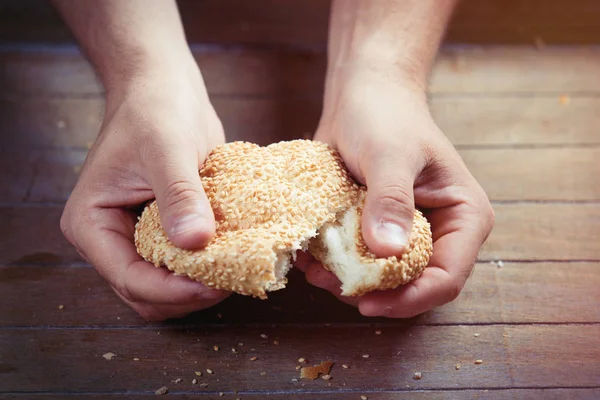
(393, 235)
(188, 223)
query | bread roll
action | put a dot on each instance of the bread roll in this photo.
(269, 202)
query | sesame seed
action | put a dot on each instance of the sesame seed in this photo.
(301, 360)
(210, 371)
(417, 375)
(378, 332)
(253, 358)
(345, 366)
(457, 367)
(216, 348)
(326, 377)
(365, 356)
(194, 381)
(478, 361)
(262, 335)
(198, 373)
(476, 334)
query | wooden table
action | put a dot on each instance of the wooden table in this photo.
(525, 120)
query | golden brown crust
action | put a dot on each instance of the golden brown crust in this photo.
(267, 201)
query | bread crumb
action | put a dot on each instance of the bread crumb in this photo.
(253, 358)
(326, 377)
(500, 264)
(61, 307)
(301, 360)
(298, 367)
(505, 335)
(233, 350)
(177, 380)
(109, 355)
(457, 367)
(198, 373)
(478, 361)
(365, 356)
(417, 375)
(363, 397)
(203, 384)
(210, 371)
(316, 370)
(378, 332)
(194, 381)
(216, 348)
(345, 366)
(276, 342)
(263, 373)
(221, 394)
(219, 315)
(162, 390)
(564, 100)
(136, 359)
(240, 344)
(476, 334)
(262, 335)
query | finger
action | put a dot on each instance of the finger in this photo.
(161, 312)
(106, 237)
(448, 270)
(185, 211)
(303, 260)
(318, 276)
(389, 207)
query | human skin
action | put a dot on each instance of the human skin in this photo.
(159, 126)
(376, 114)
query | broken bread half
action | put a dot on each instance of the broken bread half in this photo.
(340, 247)
(269, 202)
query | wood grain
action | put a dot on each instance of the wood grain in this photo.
(562, 174)
(513, 357)
(512, 121)
(304, 23)
(544, 232)
(501, 394)
(517, 293)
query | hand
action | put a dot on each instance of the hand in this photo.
(158, 129)
(390, 143)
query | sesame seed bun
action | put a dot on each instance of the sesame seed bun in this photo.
(269, 202)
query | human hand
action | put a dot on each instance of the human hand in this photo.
(383, 129)
(158, 128)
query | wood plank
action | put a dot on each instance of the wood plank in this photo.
(304, 23)
(522, 232)
(512, 358)
(512, 121)
(517, 293)
(17, 171)
(561, 174)
(32, 234)
(501, 394)
(544, 232)
(474, 70)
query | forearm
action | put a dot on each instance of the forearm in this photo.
(124, 38)
(395, 38)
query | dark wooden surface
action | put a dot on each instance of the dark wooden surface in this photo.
(524, 118)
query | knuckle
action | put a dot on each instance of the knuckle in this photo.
(397, 197)
(179, 192)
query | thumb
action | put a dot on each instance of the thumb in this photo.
(185, 211)
(388, 213)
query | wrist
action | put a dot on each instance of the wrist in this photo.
(149, 70)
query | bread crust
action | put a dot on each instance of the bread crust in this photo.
(269, 202)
